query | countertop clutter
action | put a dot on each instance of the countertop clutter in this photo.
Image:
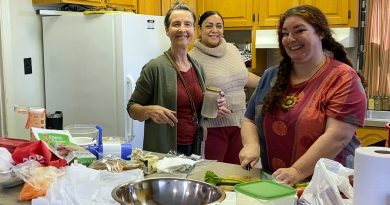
(64, 180)
(9, 196)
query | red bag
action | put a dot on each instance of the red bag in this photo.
(11, 143)
(39, 152)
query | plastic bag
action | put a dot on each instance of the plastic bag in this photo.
(6, 162)
(37, 151)
(329, 179)
(115, 164)
(84, 186)
(37, 178)
(180, 165)
(175, 164)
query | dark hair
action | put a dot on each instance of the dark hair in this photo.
(177, 6)
(317, 19)
(207, 14)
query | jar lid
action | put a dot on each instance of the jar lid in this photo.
(213, 89)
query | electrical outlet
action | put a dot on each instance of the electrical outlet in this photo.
(27, 66)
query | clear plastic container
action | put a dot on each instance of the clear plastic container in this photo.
(83, 130)
(210, 105)
(265, 192)
(113, 140)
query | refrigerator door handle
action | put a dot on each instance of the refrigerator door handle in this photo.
(130, 81)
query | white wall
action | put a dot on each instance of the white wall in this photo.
(21, 38)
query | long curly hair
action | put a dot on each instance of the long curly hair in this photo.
(317, 19)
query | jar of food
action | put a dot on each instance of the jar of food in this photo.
(210, 104)
(386, 103)
(377, 103)
(371, 103)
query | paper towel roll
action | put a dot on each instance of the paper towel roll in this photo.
(372, 176)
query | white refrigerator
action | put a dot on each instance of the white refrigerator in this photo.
(91, 65)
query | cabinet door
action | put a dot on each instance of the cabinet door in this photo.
(269, 11)
(235, 13)
(149, 7)
(122, 4)
(371, 135)
(99, 3)
(167, 4)
(336, 11)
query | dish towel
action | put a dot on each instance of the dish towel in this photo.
(174, 164)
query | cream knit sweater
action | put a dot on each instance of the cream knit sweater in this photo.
(225, 69)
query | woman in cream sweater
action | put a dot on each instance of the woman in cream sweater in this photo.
(225, 69)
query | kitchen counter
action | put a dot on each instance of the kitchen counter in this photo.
(376, 118)
(9, 196)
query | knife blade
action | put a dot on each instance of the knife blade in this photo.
(266, 176)
(248, 168)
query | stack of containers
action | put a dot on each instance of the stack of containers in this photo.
(36, 118)
(111, 146)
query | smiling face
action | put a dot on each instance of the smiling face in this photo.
(211, 30)
(181, 28)
(300, 40)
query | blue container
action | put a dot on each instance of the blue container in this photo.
(115, 149)
(118, 150)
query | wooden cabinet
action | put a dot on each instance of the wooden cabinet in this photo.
(122, 4)
(99, 3)
(149, 7)
(160, 7)
(268, 11)
(338, 12)
(235, 13)
(167, 4)
(116, 4)
(371, 135)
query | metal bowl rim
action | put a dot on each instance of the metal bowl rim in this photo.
(113, 195)
(10, 179)
(6, 172)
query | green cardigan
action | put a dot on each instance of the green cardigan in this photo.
(157, 85)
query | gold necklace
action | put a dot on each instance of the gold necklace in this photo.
(292, 99)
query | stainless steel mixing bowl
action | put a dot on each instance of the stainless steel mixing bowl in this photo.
(9, 179)
(168, 191)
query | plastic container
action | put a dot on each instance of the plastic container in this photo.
(118, 150)
(265, 192)
(36, 118)
(54, 120)
(83, 130)
(113, 139)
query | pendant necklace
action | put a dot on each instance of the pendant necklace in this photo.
(292, 98)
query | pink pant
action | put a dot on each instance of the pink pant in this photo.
(223, 144)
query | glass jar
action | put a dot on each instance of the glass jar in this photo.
(377, 103)
(210, 104)
(386, 103)
(371, 103)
